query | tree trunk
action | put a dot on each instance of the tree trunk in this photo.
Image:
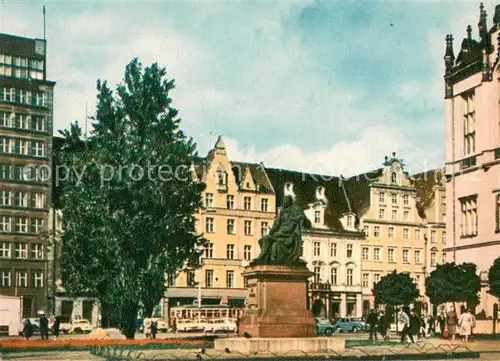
(148, 309)
(129, 318)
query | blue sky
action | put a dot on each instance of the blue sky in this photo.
(329, 87)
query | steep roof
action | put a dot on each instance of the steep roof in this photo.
(425, 184)
(304, 187)
(258, 172)
(358, 190)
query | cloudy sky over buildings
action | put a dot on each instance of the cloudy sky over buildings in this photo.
(328, 87)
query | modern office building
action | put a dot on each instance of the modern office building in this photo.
(26, 112)
(472, 93)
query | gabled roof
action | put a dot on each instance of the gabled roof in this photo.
(304, 187)
(358, 190)
(425, 184)
(258, 172)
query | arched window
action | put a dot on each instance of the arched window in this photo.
(394, 178)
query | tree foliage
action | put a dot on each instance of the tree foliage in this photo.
(395, 289)
(451, 282)
(130, 198)
(494, 278)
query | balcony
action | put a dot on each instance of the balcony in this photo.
(468, 162)
(324, 287)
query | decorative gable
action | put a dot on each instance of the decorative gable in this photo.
(247, 182)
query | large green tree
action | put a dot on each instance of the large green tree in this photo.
(494, 278)
(129, 197)
(395, 289)
(451, 282)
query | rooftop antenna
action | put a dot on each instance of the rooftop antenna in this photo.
(44, 25)
(210, 140)
(86, 118)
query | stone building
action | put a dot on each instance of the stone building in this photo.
(332, 247)
(26, 111)
(238, 208)
(389, 208)
(472, 92)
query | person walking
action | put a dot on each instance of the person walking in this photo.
(383, 325)
(432, 325)
(28, 329)
(414, 325)
(372, 321)
(465, 322)
(147, 328)
(56, 327)
(442, 323)
(154, 329)
(44, 327)
(405, 320)
(451, 323)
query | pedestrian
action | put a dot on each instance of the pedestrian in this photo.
(28, 329)
(405, 320)
(432, 325)
(56, 327)
(383, 325)
(372, 321)
(466, 322)
(414, 324)
(147, 327)
(423, 325)
(154, 329)
(44, 327)
(451, 323)
(442, 323)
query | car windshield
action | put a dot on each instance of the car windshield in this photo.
(323, 320)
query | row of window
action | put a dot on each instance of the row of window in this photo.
(22, 146)
(21, 250)
(394, 215)
(10, 224)
(391, 233)
(210, 279)
(22, 96)
(23, 121)
(230, 251)
(21, 62)
(394, 198)
(21, 279)
(365, 279)
(231, 226)
(333, 249)
(25, 173)
(391, 255)
(334, 276)
(23, 199)
(247, 202)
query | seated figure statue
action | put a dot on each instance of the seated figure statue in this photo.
(283, 244)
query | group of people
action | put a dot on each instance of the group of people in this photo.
(44, 327)
(414, 326)
(150, 328)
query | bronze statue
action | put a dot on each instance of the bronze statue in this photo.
(283, 244)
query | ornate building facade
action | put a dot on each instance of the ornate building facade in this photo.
(332, 247)
(391, 210)
(472, 93)
(239, 207)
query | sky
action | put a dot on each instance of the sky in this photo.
(323, 87)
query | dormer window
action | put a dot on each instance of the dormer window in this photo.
(394, 178)
(349, 221)
(317, 216)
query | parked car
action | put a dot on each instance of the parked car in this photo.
(189, 325)
(220, 325)
(64, 325)
(350, 324)
(324, 327)
(79, 326)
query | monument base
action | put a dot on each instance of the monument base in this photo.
(277, 302)
(279, 345)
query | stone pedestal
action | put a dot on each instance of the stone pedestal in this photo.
(277, 302)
